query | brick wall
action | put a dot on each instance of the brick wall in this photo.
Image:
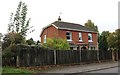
(50, 32)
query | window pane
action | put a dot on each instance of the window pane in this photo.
(80, 36)
(67, 33)
(44, 38)
(68, 37)
(89, 36)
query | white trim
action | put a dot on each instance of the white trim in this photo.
(69, 40)
(55, 26)
(90, 41)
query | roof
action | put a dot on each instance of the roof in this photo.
(69, 26)
(72, 26)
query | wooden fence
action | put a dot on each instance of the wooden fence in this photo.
(40, 57)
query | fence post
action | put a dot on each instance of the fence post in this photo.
(80, 55)
(55, 57)
(113, 57)
(17, 58)
(28, 60)
(117, 55)
(98, 56)
(17, 61)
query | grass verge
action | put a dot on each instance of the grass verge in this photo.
(13, 70)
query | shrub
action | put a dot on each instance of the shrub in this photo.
(57, 44)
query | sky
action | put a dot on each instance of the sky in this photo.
(104, 13)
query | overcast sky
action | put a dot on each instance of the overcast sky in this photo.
(104, 13)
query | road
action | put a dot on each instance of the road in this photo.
(109, 70)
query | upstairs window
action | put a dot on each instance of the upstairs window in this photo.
(89, 37)
(80, 36)
(69, 36)
(44, 38)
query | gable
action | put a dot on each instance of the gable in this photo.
(50, 27)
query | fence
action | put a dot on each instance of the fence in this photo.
(40, 57)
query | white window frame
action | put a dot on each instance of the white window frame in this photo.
(90, 34)
(44, 39)
(80, 36)
(69, 35)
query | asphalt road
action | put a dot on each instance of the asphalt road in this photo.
(109, 70)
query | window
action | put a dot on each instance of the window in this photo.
(80, 36)
(71, 48)
(89, 37)
(92, 48)
(44, 38)
(69, 36)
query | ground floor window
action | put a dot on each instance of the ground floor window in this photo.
(92, 48)
(71, 48)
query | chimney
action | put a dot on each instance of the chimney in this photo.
(59, 19)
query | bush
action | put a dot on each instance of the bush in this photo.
(57, 44)
(9, 55)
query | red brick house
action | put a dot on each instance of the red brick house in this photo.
(78, 36)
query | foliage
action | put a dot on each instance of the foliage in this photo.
(57, 44)
(112, 41)
(9, 55)
(30, 41)
(91, 25)
(117, 39)
(106, 33)
(38, 42)
(18, 22)
(103, 44)
(12, 38)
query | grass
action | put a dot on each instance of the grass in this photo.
(6, 70)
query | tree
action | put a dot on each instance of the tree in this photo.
(91, 25)
(30, 41)
(103, 44)
(10, 25)
(117, 39)
(38, 42)
(112, 40)
(57, 44)
(18, 22)
(106, 34)
(12, 38)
